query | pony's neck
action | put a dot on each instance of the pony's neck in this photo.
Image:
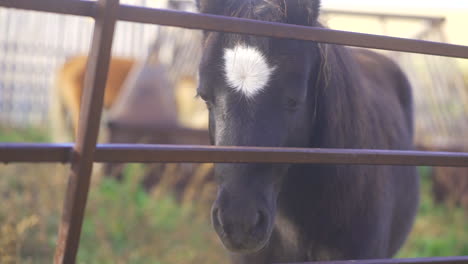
(338, 100)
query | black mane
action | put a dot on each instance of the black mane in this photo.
(264, 10)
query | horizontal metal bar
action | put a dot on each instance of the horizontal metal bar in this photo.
(439, 260)
(247, 26)
(86, 8)
(184, 153)
(199, 154)
(32, 152)
(77, 8)
(269, 29)
(330, 11)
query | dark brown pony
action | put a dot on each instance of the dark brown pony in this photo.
(291, 93)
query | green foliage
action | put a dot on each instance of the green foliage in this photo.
(32, 197)
(23, 135)
(125, 224)
(439, 230)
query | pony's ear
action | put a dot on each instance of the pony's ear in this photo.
(209, 6)
(301, 12)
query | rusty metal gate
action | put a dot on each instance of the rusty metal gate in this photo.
(85, 152)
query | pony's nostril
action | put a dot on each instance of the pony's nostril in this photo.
(215, 217)
(260, 221)
(219, 218)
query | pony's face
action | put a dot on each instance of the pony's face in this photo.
(258, 94)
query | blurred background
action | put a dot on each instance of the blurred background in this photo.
(158, 213)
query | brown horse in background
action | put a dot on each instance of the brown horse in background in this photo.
(138, 78)
(68, 89)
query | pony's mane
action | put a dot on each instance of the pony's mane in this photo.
(338, 89)
(264, 10)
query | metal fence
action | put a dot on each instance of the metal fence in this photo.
(440, 92)
(32, 47)
(85, 152)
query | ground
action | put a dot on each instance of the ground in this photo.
(125, 224)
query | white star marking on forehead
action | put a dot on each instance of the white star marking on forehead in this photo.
(246, 69)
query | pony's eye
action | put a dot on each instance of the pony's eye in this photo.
(206, 99)
(202, 96)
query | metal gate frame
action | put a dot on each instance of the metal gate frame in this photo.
(85, 152)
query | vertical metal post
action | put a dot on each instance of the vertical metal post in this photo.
(88, 129)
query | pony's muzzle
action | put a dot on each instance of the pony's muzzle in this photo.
(242, 228)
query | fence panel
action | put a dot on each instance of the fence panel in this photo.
(107, 12)
(34, 45)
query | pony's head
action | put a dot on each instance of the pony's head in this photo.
(259, 92)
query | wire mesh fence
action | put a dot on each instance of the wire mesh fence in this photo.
(34, 45)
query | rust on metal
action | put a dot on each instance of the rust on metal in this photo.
(88, 129)
(146, 153)
(443, 260)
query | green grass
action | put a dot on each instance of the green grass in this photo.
(125, 224)
(8, 134)
(439, 230)
(134, 227)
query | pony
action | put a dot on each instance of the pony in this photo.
(272, 92)
(68, 88)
